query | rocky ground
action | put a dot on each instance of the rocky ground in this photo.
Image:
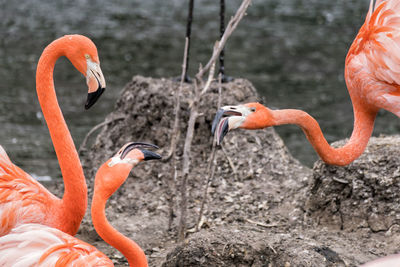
(264, 208)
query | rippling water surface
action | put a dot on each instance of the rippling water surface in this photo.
(293, 51)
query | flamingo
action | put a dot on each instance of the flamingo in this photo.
(388, 261)
(40, 245)
(372, 73)
(23, 199)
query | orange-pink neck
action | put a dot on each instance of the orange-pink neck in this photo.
(132, 251)
(363, 127)
(70, 211)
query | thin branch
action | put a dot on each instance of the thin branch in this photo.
(194, 106)
(263, 224)
(95, 128)
(175, 132)
(189, 134)
(233, 23)
(211, 163)
(175, 137)
(250, 173)
(186, 165)
(230, 161)
(170, 197)
(210, 75)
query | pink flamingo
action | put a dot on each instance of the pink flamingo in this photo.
(388, 261)
(372, 75)
(23, 199)
(40, 245)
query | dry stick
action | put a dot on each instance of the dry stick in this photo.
(171, 191)
(210, 75)
(263, 224)
(234, 21)
(186, 163)
(175, 131)
(194, 113)
(95, 128)
(171, 197)
(186, 152)
(230, 161)
(174, 139)
(211, 163)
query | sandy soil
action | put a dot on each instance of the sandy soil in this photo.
(264, 208)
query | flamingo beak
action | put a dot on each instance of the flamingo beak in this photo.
(226, 119)
(147, 154)
(96, 83)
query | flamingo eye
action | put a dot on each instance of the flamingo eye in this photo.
(87, 56)
(252, 109)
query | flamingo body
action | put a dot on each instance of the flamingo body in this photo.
(22, 198)
(40, 245)
(373, 62)
(388, 261)
(372, 74)
(33, 244)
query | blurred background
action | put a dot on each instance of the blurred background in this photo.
(293, 51)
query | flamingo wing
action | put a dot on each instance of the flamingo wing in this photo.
(3, 155)
(40, 245)
(22, 198)
(373, 61)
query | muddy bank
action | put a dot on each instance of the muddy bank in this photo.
(256, 214)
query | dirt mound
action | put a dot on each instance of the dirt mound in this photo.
(256, 178)
(256, 208)
(254, 246)
(358, 203)
(365, 193)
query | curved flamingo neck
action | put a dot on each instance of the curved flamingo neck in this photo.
(132, 252)
(363, 127)
(73, 206)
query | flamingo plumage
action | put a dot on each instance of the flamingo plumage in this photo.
(41, 245)
(24, 200)
(388, 261)
(372, 73)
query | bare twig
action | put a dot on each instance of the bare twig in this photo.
(175, 132)
(232, 24)
(186, 164)
(194, 114)
(233, 167)
(170, 197)
(95, 128)
(210, 76)
(183, 209)
(174, 139)
(211, 164)
(250, 173)
(263, 224)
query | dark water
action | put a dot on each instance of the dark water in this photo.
(293, 51)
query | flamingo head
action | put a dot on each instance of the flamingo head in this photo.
(82, 53)
(114, 172)
(249, 116)
(135, 152)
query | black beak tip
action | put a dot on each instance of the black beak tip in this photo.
(216, 120)
(150, 155)
(224, 131)
(93, 97)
